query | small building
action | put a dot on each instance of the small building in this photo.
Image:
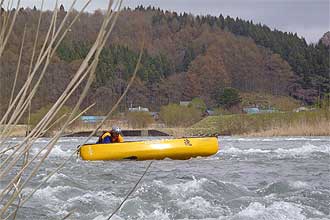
(91, 118)
(138, 109)
(185, 103)
(253, 110)
(301, 109)
(268, 110)
(256, 110)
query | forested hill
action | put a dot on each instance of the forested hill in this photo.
(185, 56)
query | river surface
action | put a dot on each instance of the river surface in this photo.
(249, 178)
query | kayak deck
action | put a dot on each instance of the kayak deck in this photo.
(178, 149)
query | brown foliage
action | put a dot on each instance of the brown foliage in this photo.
(221, 59)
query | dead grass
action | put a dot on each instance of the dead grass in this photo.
(274, 124)
(16, 130)
(299, 129)
(282, 103)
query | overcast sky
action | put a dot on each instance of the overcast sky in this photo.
(309, 18)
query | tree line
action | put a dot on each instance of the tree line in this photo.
(185, 56)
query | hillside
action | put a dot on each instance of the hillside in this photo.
(326, 39)
(185, 56)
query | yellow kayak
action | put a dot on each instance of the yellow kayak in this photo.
(177, 149)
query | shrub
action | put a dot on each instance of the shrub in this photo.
(221, 111)
(228, 97)
(198, 104)
(39, 114)
(139, 119)
(176, 115)
(266, 101)
(325, 102)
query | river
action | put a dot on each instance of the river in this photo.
(249, 178)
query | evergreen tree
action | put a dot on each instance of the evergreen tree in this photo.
(228, 97)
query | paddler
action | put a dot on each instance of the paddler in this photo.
(113, 136)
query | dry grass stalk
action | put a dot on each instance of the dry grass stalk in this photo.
(24, 88)
(18, 66)
(87, 68)
(45, 55)
(92, 133)
(65, 115)
(5, 34)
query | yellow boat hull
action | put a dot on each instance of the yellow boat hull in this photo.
(177, 149)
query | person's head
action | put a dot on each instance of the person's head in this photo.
(115, 131)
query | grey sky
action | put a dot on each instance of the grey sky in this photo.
(309, 18)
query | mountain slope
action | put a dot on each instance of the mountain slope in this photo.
(184, 57)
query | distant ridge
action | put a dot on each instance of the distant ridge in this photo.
(326, 39)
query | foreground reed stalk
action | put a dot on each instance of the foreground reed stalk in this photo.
(18, 168)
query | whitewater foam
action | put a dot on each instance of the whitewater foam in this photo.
(275, 211)
(102, 217)
(272, 139)
(185, 188)
(42, 140)
(68, 140)
(299, 185)
(200, 208)
(57, 177)
(306, 150)
(55, 152)
(58, 152)
(49, 193)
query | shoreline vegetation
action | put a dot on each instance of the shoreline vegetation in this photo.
(309, 123)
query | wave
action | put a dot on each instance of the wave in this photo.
(255, 210)
(157, 214)
(62, 199)
(273, 139)
(57, 151)
(282, 187)
(48, 198)
(199, 207)
(42, 140)
(305, 150)
(299, 185)
(277, 210)
(102, 217)
(49, 193)
(91, 197)
(57, 177)
(69, 140)
(185, 188)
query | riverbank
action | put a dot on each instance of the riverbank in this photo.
(313, 123)
(16, 131)
(300, 129)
